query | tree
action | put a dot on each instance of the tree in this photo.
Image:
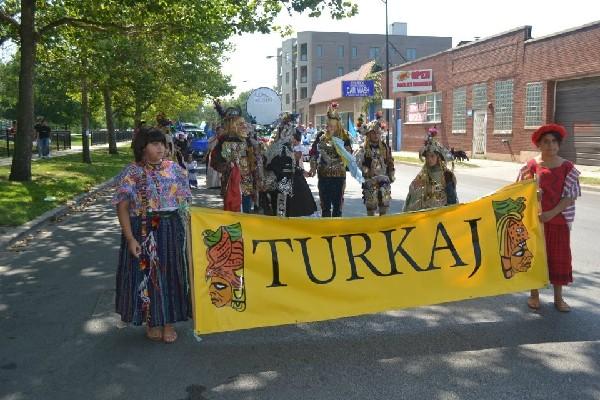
(204, 22)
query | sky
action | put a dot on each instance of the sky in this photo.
(249, 67)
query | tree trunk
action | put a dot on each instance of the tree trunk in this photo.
(85, 117)
(137, 114)
(21, 164)
(110, 125)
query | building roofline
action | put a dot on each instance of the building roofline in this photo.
(364, 68)
(377, 34)
(564, 32)
(526, 28)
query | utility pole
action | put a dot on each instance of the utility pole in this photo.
(387, 74)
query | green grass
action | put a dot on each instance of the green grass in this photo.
(416, 161)
(60, 177)
(589, 180)
(76, 139)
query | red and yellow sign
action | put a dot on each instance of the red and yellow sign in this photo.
(253, 271)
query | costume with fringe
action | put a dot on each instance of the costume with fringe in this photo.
(377, 167)
(330, 156)
(239, 161)
(286, 188)
(435, 186)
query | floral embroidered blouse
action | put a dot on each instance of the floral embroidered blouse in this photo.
(166, 185)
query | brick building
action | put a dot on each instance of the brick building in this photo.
(486, 97)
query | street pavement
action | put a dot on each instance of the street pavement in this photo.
(59, 337)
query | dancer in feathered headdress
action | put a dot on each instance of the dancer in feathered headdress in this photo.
(435, 185)
(331, 154)
(238, 158)
(377, 166)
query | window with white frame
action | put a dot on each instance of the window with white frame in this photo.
(459, 110)
(479, 96)
(424, 108)
(533, 104)
(503, 106)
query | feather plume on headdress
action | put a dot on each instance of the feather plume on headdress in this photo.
(219, 108)
(332, 112)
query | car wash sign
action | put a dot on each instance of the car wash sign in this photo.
(358, 88)
(419, 80)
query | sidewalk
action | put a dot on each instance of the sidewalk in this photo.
(506, 170)
(4, 161)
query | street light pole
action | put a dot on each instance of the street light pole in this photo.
(387, 73)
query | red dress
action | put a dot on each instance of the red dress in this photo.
(553, 182)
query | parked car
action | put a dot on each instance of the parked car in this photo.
(198, 140)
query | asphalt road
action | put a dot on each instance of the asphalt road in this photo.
(60, 340)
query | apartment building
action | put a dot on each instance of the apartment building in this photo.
(315, 57)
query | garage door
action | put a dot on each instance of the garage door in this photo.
(578, 109)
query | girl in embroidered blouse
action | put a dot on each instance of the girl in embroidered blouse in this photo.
(559, 185)
(151, 197)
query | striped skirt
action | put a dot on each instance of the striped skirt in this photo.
(558, 249)
(159, 293)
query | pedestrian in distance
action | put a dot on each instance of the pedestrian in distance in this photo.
(435, 185)
(558, 182)
(42, 137)
(152, 198)
(192, 168)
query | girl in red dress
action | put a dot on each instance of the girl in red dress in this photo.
(559, 185)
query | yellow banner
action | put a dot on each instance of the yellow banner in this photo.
(252, 270)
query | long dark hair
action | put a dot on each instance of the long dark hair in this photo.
(143, 138)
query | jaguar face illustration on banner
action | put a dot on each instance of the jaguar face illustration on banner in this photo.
(225, 270)
(512, 236)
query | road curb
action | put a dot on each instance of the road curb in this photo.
(6, 239)
(590, 188)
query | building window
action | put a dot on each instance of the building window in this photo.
(340, 71)
(287, 77)
(303, 93)
(340, 51)
(373, 53)
(303, 74)
(319, 50)
(319, 74)
(459, 110)
(287, 98)
(320, 122)
(424, 108)
(303, 52)
(503, 105)
(354, 52)
(288, 58)
(533, 105)
(411, 54)
(480, 96)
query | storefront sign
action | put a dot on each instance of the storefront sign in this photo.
(358, 88)
(417, 112)
(419, 80)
